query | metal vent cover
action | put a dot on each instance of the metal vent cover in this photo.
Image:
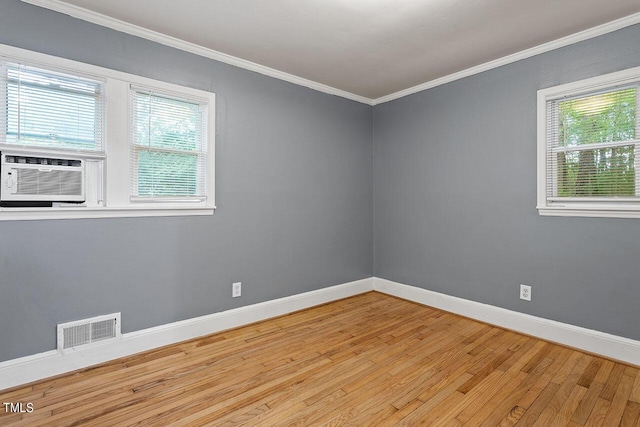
(49, 183)
(88, 331)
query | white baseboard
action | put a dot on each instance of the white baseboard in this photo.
(44, 365)
(611, 346)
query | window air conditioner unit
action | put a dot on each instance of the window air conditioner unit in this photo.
(29, 179)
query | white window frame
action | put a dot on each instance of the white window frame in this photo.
(202, 103)
(111, 170)
(610, 207)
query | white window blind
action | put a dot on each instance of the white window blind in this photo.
(592, 147)
(147, 146)
(44, 108)
(589, 147)
(168, 147)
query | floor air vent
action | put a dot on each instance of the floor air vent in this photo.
(88, 331)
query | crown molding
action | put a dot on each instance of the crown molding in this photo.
(118, 25)
(537, 50)
(134, 30)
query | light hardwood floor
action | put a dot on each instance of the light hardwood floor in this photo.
(369, 360)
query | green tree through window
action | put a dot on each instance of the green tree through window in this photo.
(596, 120)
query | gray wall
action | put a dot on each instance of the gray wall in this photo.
(455, 197)
(454, 173)
(293, 188)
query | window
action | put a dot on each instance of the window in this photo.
(49, 109)
(147, 147)
(168, 147)
(588, 147)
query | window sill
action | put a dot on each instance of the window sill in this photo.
(591, 211)
(82, 212)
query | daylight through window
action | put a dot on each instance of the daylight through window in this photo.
(49, 109)
(591, 150)
(168, 147)
(127, 145)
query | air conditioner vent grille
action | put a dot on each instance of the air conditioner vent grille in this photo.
(77, 335)
(49, 161)
(49, 183)
(103, 330)
(83, 332)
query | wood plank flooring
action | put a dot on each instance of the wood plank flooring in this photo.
(369, 360)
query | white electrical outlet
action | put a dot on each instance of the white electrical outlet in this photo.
(236, 289)
(525, 292)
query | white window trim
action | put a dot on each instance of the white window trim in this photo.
(116, 157)
(155, 91)
(611, 208)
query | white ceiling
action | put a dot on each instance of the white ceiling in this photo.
(369, 48)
